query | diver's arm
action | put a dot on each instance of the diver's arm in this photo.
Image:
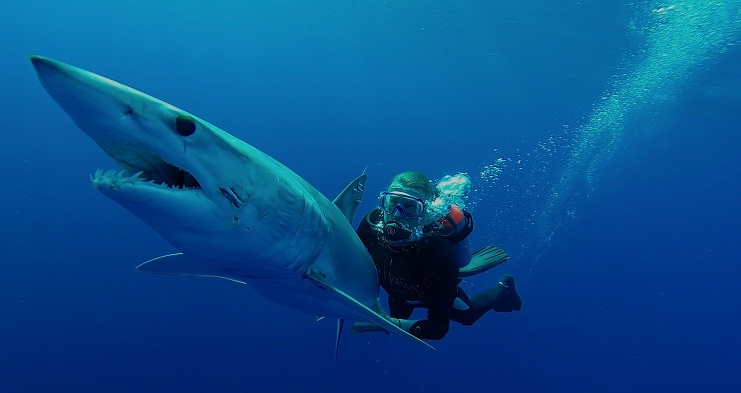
(366, 327)
(430, 329)
(435, 327)
(425, 328)
(421, 328)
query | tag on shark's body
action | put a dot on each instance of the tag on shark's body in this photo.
(178, 264)
(349, 199)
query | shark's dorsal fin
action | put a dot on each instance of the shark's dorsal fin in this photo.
(483, 260)
(178, 264)
(350, 197)
(360, 309)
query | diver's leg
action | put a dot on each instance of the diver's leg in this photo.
(399, 308)
(502, 298)
(464, 310)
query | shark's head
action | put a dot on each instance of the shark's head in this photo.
(233, 211)
(199, 187)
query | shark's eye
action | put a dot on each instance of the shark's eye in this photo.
(185, 125)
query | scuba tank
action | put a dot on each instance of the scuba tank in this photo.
(456, 223)
(456, 226)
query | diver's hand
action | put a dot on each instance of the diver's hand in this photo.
(366, 327)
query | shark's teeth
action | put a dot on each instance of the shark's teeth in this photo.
(116, 179)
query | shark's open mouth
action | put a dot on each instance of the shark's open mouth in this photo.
(145, 168)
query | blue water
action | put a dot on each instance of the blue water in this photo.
(601, 139)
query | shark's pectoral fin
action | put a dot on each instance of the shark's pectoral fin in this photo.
(179, 264)
(350, 197)
(361, 309)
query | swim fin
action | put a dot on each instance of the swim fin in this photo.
(483, 260)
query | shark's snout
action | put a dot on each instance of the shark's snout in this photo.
(129, 125)
(85, 96)
(41, 63)
(47, 66)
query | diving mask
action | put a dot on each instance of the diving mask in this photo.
(407, 205)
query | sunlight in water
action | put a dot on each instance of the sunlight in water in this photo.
(679, 39)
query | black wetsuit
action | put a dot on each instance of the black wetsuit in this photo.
(423, 272)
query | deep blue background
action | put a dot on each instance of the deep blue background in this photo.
(636, 291)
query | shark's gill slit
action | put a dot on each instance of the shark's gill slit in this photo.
(237, 195)
(231, 197)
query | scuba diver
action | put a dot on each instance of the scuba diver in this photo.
(418, 242)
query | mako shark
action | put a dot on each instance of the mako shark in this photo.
(232, 211)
